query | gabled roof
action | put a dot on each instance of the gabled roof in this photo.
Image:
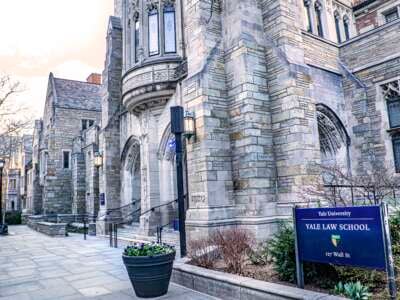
(76, 94)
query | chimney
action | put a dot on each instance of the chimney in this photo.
(94, 78)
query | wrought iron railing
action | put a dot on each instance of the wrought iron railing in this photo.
(364, 194)
(116, 222)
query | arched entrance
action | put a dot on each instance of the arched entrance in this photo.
(334, 140)
(131, 192)
(168, 192)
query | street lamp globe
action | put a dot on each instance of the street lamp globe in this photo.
(98, 160)
(189, 124)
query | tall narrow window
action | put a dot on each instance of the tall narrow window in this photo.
(153, 33)
(337, 25)
(346, 24)
(396, 152)
(318, 13)
(169, 29)
(66, 160)
(391, 93)
(137, 38)
(307, 4)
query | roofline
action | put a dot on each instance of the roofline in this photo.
(80, 81)
(363, 4)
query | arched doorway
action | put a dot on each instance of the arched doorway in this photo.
(131, 192)
(334, 140)
(168, 184)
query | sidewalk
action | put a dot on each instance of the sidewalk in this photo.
(36, 267)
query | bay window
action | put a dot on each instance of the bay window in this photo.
(169, 29)
(154, 48)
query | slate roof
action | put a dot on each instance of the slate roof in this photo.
(115, 22)
(77, 94)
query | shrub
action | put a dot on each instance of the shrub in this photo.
(202, 253)
(355, 291)
(372, 278)
(395, 233)
(148, 250)
(281, 247)
(260, 256)
(13, 218)
(234, 245)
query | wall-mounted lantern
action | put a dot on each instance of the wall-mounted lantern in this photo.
(190, 124)
(98, 160)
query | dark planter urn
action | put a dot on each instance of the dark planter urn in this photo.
(3, 229)
(150, 276)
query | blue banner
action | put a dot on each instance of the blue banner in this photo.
(351, 236)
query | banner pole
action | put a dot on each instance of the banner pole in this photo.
(299, 263)
(388, 253)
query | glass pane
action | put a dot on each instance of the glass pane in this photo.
(390, 17)
(137, 28)
(394, 113)
(66, 160)
(396, 152)
(169, 32)
(338, 30)
(153, 33)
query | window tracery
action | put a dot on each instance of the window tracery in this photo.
(391, 94)
(337, 26)
(318, 13)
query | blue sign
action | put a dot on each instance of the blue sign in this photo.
(351, 236)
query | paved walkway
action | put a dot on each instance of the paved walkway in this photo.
(34, 266)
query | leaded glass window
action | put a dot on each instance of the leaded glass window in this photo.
(308, 10)
(154, 48)
(391, 15)
(337, 26)
(346, 27)
(137, 39)
(391, 93)
(396, 152)
(169, 29)
(318, 12)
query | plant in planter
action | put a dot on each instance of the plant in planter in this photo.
(149, 267)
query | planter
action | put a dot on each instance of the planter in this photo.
(150, 276)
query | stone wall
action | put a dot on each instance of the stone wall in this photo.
(58, 183)
(373, 59)
(109, 138)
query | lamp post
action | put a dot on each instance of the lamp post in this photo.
(177, 128)
(182, 123)
(3, 226)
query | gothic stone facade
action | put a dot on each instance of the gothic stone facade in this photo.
(275, 87)
(72, 108)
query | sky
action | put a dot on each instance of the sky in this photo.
(66, 37)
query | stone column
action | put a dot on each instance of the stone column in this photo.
(109, 138)
(204, 92)
(149, 165)
(254, 168)
(294, 123)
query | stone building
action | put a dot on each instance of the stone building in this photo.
(19, 151)
(275, 87)
(72, 108)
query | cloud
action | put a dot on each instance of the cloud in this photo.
(66, 37)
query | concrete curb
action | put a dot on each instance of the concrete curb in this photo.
(229, 286)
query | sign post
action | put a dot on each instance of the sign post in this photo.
(347, 236)
(299, 262)
(388, 253)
